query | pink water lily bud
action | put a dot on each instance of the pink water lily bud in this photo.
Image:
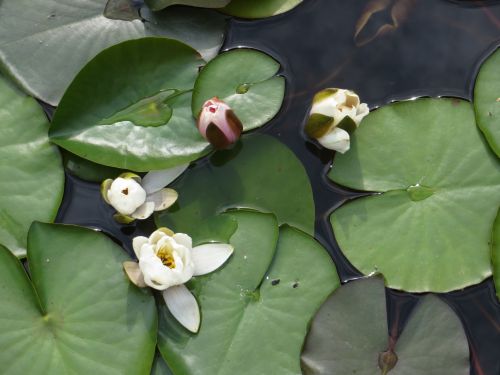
(218, 124)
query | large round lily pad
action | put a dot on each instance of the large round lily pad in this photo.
(31, 173)
(350, 331)
(487, 100)
(44, 43)
(246, 80)
(495, 253)
(130, 107)
(255, 310)
(78, 313)
(259, 8)
(429, 230)
(259, 173)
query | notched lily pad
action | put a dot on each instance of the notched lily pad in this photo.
(349, 335)
(487, 100)
(43, 44)
(246, 80)
(31, 174)
(259, 8)
(129, 108)
(259, 173)
(429, 230)
(78, 313)
(265, 294)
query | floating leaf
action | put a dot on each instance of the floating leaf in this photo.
(495, 246)
(246, 80)
(259, 173)
(161, 4)
(129, 107)
(44, 43)
(265, 294)
(31, 174)
(349, 333)
(430, 228)
(78, 313)
(160, 367)
(259, 8)
(487, 100)
(87, 170)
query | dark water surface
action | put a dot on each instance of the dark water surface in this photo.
(435, 51)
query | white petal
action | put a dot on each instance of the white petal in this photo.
(325, 107)
(134, 274)
(144, 211)
(183, 239)
(137, 243)
(207, 258)
(163, 199)
(337, 140)
(156, 180)
(183, 307)
(126, 195)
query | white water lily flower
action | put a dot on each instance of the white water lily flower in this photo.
(134, 197)
(168, 260)
(334, 115)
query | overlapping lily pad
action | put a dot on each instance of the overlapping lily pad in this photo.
(495, 253)
(487, 100)
(161, 4)
(259, 173)
(245, 79)
(259, 8)
(78, 313)
(129, 107)
(430, 229)
(349, 333)
(31, 174)
(44, 43)
(265, 294)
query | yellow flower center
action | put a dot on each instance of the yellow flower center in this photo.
(166, 254)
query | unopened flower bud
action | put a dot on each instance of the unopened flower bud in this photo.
(334, 115)
(218, 124)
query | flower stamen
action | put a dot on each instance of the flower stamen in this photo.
(165, 253)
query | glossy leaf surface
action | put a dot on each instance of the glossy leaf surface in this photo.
(31, 173)
(266, 294)
(79, 314)
(161, 4)
(259, 8)
(350, 331)
(246, 80)
(487, 100)
(429, 230)
(129, 107)
(44, 43)
(259, 173)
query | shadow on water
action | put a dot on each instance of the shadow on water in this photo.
(430, 48)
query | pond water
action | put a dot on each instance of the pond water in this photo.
(434, 51)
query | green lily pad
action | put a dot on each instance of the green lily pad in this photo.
(487, 100)
(259, 8)
(161, 4)
(31, 174)
(429, 230)
(129, 108)
(350, 331)
(43, 43)
(495, 253)
(265, 294)
(78, 313)
(160, 367)
(259, 173)
(246, 80)
(86, 170)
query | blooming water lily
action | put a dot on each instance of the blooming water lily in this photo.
(134, 197)
(168, 260)
(335, 114)
(218, 124)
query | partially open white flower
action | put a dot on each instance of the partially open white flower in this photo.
(136, 198)
(334, 115)
(167, 260)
